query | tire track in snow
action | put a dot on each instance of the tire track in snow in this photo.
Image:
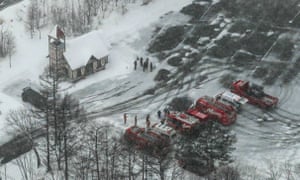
(141, 99)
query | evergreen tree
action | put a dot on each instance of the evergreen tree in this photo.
(207, 149)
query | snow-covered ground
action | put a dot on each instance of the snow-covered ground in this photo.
(101, 93)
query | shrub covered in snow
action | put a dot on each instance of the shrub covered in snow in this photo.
(241, 26)
(226, 80)
(275, 12)
(284, 49)
(225, 47)
(175, 61)
(207, 149)
(243, 58)
(180, 103)
(258, 43)
(168, 39)
(275, 71)
(260, 72)
(162, 75)
(194, 10)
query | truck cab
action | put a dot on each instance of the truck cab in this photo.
(254, 93)
(221, 112)
(231, 99)
(182, 122)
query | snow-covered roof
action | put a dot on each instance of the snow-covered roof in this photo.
(79, 50)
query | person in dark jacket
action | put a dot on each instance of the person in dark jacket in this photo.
(144, 66)
(125, 118)
(151, 66)
(135, 64)
(135, 120)
(159, 114)
(141, 61)
(147, 63)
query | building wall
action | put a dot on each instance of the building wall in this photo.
(82, 71)
(70, 72)
(74, 74)
(99, 64)
(95, 66)
(103, 61)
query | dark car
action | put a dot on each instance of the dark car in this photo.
(33, 97)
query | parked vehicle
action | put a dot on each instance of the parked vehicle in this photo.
(33, 97)
(197, 114)
(225, 114)
(164, 130)
(254, 93)
(182, 122)
(231, 99)
(144, 139)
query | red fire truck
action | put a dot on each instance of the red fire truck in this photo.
(254, 93)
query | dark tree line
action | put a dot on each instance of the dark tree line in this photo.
(7, 43)
(275, 12)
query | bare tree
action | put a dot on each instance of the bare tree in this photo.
(26, 167)
(82, 13)
(288, 171)
(30, 20)
(34, 16)
(249, 172)
(160, 160)
(70, 119)
(23, 123)
(274, 171)
(45, 114)
(88, 8)
(10, 44)
(226, 173)
(7, 43)
(177, 173)
(50, 85)
(99, 155)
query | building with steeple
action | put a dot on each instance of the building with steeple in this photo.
(78, 57)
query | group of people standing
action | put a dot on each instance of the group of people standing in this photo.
(160, 116)
(144, 63)
(163, 116)
(135, 120)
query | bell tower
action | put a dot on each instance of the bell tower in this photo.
(56, 47)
